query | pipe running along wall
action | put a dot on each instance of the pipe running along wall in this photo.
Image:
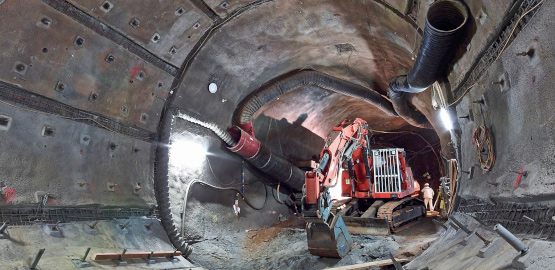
(444, 24)
(242, 143)
(267, 93)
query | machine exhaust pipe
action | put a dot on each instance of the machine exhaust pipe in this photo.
(444, 23)
(244, 144)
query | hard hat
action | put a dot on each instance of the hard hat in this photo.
(426, 185)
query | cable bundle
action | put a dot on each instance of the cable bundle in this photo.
(484, 147)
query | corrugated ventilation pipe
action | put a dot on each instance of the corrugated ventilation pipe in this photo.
(444, 22)
(242, 143)
(248, 107)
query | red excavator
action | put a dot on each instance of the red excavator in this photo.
(356, 189)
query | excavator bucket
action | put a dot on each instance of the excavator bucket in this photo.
(328, 240)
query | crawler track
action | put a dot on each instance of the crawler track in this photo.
(400, 212)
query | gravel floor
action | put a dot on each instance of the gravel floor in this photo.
(283, 246)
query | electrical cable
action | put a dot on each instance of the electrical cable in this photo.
(284, 202)
(516, 24)
(241, 193)
(277, 198)
(214, 175)
(460, 98)
(219, 188)
(484, 146)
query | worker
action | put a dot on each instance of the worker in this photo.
(428, 196)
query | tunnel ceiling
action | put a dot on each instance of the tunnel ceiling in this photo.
(355, 44)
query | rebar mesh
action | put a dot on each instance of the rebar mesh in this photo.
(519, 218)
(30, 215)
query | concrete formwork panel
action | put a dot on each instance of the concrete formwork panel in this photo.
(168, 29)
(226, 7)
(73, 163)
(54, 56)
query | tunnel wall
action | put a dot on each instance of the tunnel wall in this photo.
(209, 212)
(50, 54)
(74, 165)
(518, 114)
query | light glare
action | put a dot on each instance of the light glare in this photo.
(445, 118)
(188, 153)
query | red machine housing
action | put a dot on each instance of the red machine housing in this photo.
(247, 146)
(364, 177)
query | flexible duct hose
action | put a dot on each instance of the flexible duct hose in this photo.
(402, 106)
(224, 135)
(270, 92)
(281, 170)
(444, 22)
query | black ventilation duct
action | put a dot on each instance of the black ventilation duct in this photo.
(444, 23)
(241, 142)
(270, 92)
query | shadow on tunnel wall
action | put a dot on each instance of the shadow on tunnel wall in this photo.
(290, 140)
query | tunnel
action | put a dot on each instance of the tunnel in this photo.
(277, 134)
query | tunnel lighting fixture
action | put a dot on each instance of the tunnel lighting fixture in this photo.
(445, 118)
(212, 88)
(187, 153)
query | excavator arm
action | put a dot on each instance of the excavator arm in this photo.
(327, 233)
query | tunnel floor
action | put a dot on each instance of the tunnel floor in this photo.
(283, 246)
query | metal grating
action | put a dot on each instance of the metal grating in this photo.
(519, 218)
(34, 215)
(15, 94)
(493, 51)
(387, 174)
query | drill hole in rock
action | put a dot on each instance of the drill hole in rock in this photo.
(110, 58)
(112, 146)
(79, 41)
(5, 122)
(60, 87)
(48, 131)
(155, 38)
(106, 6)
(20, 68)
(46, 21)
(135, 22)
(180, 11)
